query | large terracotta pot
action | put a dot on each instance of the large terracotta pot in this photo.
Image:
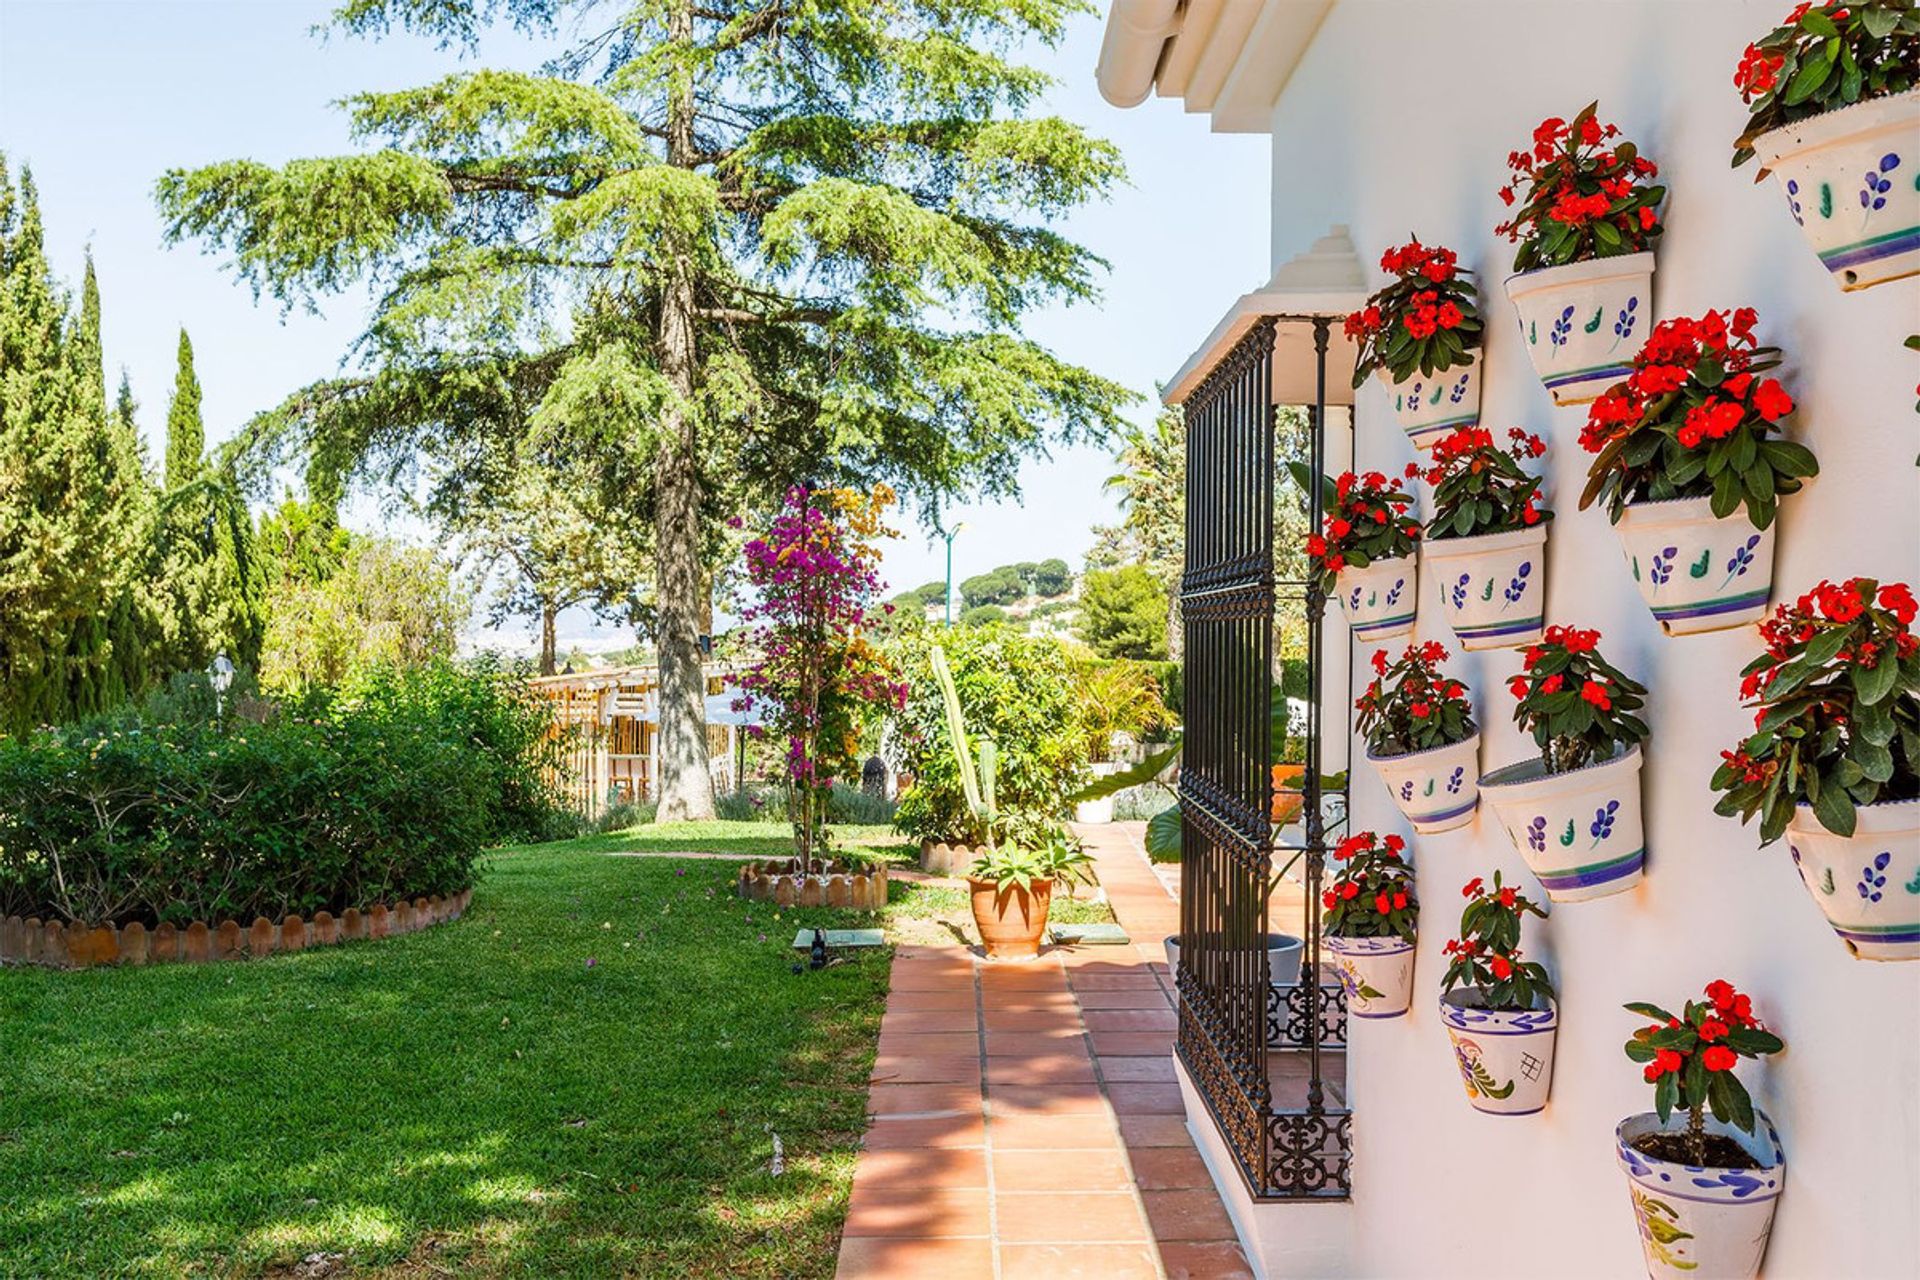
(1505, 1056)
(1375, 973)
(1493, 586)
(1850, 180)
(1437, 789)
(1583, 322)
(1431, 405)
(1702, 1223)
(1579, 831)
(1696, 571)
(1287, 796)
(1866, 884)
(1012, 920)
(1381, 598)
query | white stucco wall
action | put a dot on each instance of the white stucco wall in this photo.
(1399, 120)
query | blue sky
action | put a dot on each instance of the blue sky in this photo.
(100, 98)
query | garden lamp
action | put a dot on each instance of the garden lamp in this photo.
(950, 535)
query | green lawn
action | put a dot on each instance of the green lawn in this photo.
(581, 1078)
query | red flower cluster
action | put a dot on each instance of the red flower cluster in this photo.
(1575, 176)
(1832, 604)
(1468, 470)
(1372, 893)
(1731, 1011)
(1411, 705)
(1677, 351)
(1429, 300)
(1759, 70)
(1369, 515)
(1413, 258)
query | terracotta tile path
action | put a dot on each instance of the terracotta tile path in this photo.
(1024, 1120)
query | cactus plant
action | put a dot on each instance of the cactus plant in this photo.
(977, 783)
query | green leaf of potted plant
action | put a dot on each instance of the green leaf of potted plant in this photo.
(1012, 892)
(1585, 215)
(1421, 334)
(1364, 554)
(1703, 1190)
(1835, 118)
(1497, 1008)
(1420, 735)
(1684, 447)
(1834, 760)
(1574, 813)
(1486, 543)
(1369, 915)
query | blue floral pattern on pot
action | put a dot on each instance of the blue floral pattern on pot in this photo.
(1579, 832)
(1436, 789)
(1663, 537)
(1592, 313)
(1483, 585)
(1867, 885)
(1376, 597)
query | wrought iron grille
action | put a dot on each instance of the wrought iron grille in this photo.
(1231, 1013)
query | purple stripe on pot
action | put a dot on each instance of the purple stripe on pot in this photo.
(1500, 628)
(1377, 1017)
(1599, 873)
(1443, 428)
(1873, 250)
(1607, 373)
(1728, 604)
(1468, 807)
(1897, 933)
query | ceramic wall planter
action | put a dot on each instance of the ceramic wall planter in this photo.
(1493, 588)
(1437, 789)
(1579, 831)
(1866, 884)
(1702, 1223)
(1505, 1056)
(1375, 973)
(1381, 599)
(1583, 322)
(1012, 920)
(1852, 182)
(1431, 405)
(1695, 571)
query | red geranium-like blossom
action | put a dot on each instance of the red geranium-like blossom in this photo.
(1596, 693)
(1718, 1058)
(1771, 401)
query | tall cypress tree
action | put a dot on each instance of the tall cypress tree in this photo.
(186, 435)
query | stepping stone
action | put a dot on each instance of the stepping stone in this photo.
(803, 939)
(1089, 935)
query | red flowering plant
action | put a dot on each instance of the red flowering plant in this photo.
(1425, 319)
(1578, 706)
(1366, 520)
(1696, 419)
(1689, 1061)
(1371, 895)
(1836, 699)
(1411, 705)
(1824, 57)
(815, 675)
(1580, 195)
(1480, 488)
(1486, 955)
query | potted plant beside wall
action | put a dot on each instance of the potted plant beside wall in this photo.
(1703, 1190)
(1421, 738)
(1365, 556)
(1586, 214)
(1485, 547)
(1835, 118)
(1497, 1008)
(1834, 762)
(1574, 813)
(1421, 335)
(1011, 890)
(1691, 468)
(1369, 914)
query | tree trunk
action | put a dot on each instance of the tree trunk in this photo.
(685, 784)
(547, 655)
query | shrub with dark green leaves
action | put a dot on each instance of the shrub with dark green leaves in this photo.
(390, 788)
(1824, 57)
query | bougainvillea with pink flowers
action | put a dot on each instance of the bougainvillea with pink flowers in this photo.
(1689, 1061)
(1367, 520)
(1480, 488)
(1426, 319)
(1824, 57)
(1697, 418)
(1578, 194)
(815, 677)
(1578, 706)
(1487, 956)
(1836, 706)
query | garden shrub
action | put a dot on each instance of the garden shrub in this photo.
(389, 787)
(1018, 689)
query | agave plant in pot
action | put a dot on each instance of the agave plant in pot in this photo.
(1834, 97)
(1368, 916)
(1365, 555)
(1691, 469)
(1485, 547)
(1834, 760)
(1703, 1190)
(1421, 737)
(1012, 888)
(1421, 335)
(1498, 1008)
(1585, 215)
(1574, 813)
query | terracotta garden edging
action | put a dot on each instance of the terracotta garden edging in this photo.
(839, 885)
(54, 945)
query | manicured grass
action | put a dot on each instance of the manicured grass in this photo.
(582, 1078)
